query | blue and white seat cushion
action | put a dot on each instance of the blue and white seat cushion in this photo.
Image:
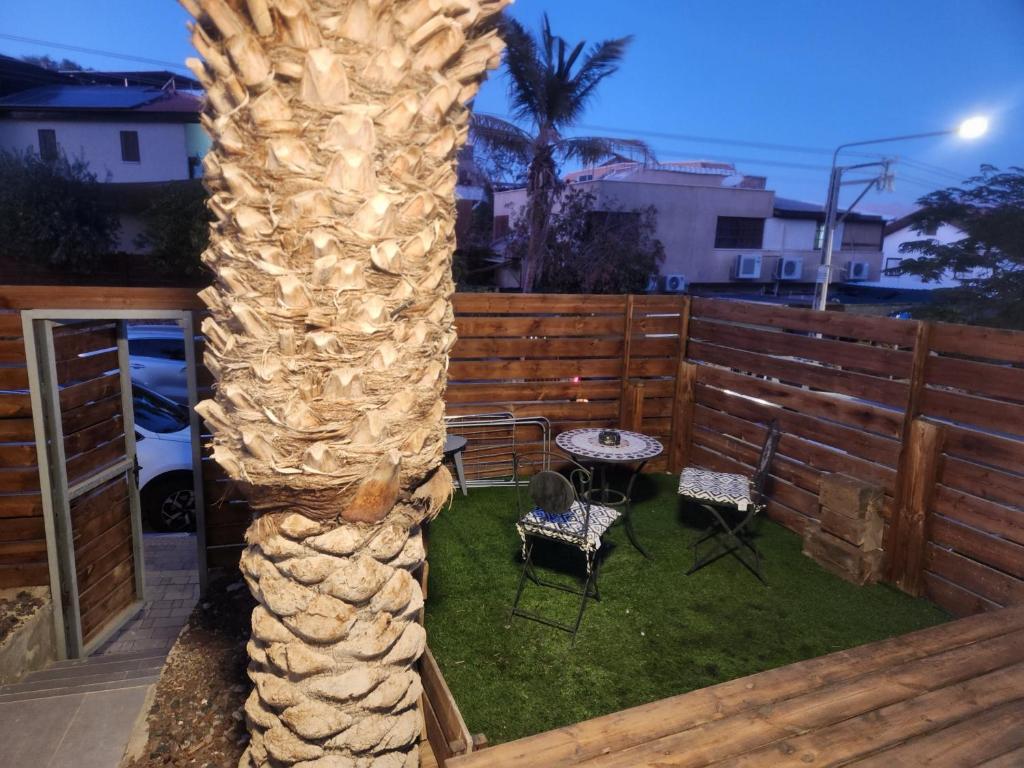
(716, 487)
(568, 527)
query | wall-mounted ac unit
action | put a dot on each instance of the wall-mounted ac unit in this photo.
(856, 270)
(653, 282)
(789, 268)
(675, 283)
(748, 266)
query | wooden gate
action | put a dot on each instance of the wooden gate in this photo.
(86, 400)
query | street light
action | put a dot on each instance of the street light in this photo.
(971, 128)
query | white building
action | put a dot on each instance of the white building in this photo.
(901, 231)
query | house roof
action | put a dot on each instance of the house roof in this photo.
(68, 100)
(787, 208)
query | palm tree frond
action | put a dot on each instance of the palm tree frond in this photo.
(590, 150)
(525, 70)
(493, 133)
(602, 60)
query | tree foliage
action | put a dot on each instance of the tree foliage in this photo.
(611, 250)
(177, 230)
(989, 210)
(550, 86)
(48, 62)
(51, 212)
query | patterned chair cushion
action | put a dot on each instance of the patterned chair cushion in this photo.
(568, 527)
(716, 487)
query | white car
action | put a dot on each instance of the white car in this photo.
(157, 359)
(163, 447)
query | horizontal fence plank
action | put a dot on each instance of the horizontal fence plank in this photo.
(977, 341)
(993, 551)
(983, 448)
(980, 513)
(881, 361)
(24, 575)
(86, 368)
(567, 303)
(93, 338)
(874, 388)
(878, 329)
(84, 416)
(91, 462)
(17, 455)
(954, 598)
(21, 505)
(995, 381)
(1002, 589)
(92, 437)
(12, 351)
(17, 480)
(862, 415)
(15, 405)
(10, 325)
(22, 529)
(77, 395)
(461, 370)
(982, 412)
(17, 430)
(991, 484)
(535, 348)
(599, 325)
(13, 377)
(93, 297)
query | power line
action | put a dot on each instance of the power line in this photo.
(177, 65)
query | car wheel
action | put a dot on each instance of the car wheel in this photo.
(169, 503)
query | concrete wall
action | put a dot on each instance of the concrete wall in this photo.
(163, 147)
(31, 645)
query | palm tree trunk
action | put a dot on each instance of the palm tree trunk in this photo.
(335, 127)
(541, 188)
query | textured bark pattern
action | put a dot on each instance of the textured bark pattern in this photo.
(332, 177)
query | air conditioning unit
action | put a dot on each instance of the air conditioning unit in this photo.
(856, 270)
(789, 268)
(748, 267)
(653, 281)
(675, 284)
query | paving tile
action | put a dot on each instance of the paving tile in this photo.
(99, 731)
(30, 731)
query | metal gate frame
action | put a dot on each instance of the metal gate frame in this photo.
(55, 493)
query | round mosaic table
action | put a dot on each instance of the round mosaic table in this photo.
(633, 448)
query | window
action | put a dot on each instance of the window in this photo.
(739, 232)
(165, 349)
(155, 413)
(130, 146)
(892, 266)
(47, 144)
(819, 236)
(501, 227)
(859, 235)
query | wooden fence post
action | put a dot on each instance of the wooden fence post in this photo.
(909, 549)
(682, 415)
(898, 532)
(633, 400)
(682, 411)
(627, 345)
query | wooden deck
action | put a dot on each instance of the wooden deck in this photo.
(951, 695)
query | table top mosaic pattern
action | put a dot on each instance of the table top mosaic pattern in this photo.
(633, 446)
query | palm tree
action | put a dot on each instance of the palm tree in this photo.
(331, 178)
(550, 95)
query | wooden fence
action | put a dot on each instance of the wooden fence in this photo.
(22, 534)
(932, 413)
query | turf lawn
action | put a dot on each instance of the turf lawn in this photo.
(655, 633)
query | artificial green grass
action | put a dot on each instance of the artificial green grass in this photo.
(655, 633)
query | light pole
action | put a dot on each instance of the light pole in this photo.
(970, 128)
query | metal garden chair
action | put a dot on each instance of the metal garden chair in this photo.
(556, 507)
(728, 495)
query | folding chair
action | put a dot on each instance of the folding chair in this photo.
(724, 495)
(557, 508)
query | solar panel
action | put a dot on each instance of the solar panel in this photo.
(81, 97)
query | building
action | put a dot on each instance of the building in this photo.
(126, 134)
(903, 230)
(138, 131)
(722, 231)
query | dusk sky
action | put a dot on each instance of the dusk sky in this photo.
(751, 75)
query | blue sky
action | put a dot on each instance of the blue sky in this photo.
(803, 73)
